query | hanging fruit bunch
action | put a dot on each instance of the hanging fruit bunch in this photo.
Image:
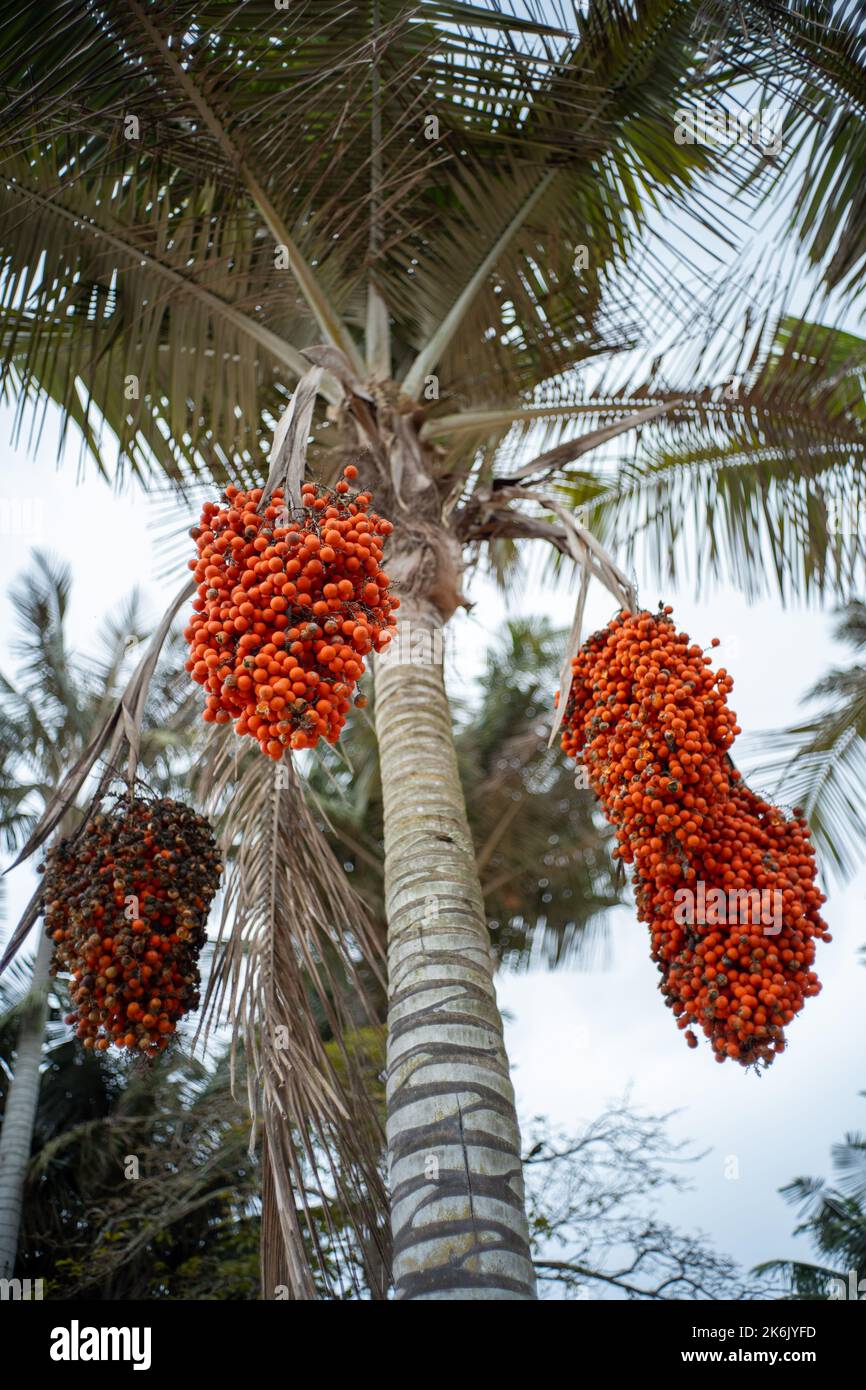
(126, 903)
(724, 880)
(289, 603)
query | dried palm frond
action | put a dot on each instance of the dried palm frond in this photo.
(117, 734)
(298, 961)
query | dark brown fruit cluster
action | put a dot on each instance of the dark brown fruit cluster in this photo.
(126, 904)
(725, 881)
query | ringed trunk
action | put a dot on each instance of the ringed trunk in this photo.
(457, 1198)
(16, 1137)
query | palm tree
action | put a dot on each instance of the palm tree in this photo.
(452, 200)
(833, 1216)
(19, 1111)
(821, 761)
(543, 856)
(48, 713)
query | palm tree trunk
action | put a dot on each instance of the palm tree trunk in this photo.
(16, 1136)
(457, 1200)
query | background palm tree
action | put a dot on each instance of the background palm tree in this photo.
(541, 847)
(456, 203)
(184, 1223)
(833, 1216)
(49, 710)
(820, 763)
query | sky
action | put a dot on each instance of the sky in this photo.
(578, 1038)
(581, 1037)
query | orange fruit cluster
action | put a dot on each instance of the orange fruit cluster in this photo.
(126, 903)
(288, 605)
(724, 880)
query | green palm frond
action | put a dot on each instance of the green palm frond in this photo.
(832, 1215)
(849, 1161)
(762, 485)
(141, 290)
(821, 768)
(818, 68)
(820, 764)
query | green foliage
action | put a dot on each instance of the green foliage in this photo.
(156, 255)
(820, 763)
(183, 1224)
(833, 1217)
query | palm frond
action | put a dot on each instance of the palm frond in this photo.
(142, 289)
(820, 763)
(818, 69)
(764, 478)
(295, 943)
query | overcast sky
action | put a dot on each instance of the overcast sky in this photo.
(577, 1038)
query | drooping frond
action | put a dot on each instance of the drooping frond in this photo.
(190, 196)
(775, 468)
(296, 962)
(814, 67)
